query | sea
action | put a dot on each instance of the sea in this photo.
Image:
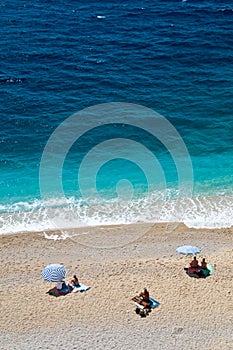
(115, 112)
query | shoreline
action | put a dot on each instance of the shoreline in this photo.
(167, 226)
(191, 310)
(201, 212)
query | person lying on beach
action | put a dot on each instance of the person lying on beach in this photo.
(61, 285)
(63, 288)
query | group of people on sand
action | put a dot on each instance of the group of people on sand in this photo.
(63, 288)
(143, 301)
(197, 270)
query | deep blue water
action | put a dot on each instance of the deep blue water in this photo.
(60, 57)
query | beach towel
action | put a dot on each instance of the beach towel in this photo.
(80, 288)
(57, 293)
(153, 304)
(205, 272)
(209, 271)
(210, 268)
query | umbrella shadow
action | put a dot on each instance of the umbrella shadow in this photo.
(195, 275)
(54, 292)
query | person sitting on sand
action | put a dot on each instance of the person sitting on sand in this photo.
(204, 272)
(145, 295)
(194, 262)
(74, 281)
(204, 264)
(63, 288)
(143, 299)
(194, 267)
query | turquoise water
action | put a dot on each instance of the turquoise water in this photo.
(169, 57)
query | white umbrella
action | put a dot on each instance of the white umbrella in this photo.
(53, 273)
(188, 249)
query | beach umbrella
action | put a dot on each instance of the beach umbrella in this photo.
(188, 249)
(53, 273)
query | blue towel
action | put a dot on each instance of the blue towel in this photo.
(65, 288)
(154, 303)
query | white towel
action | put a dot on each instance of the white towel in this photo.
(80, 288)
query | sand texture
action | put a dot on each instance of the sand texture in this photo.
(194, 313)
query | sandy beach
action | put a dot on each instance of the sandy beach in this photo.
(194, 313)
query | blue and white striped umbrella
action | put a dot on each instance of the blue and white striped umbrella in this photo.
(188, 249)
(54, 273)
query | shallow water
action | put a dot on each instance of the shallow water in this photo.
(173, 57)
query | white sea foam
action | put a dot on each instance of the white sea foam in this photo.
(198, 212)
